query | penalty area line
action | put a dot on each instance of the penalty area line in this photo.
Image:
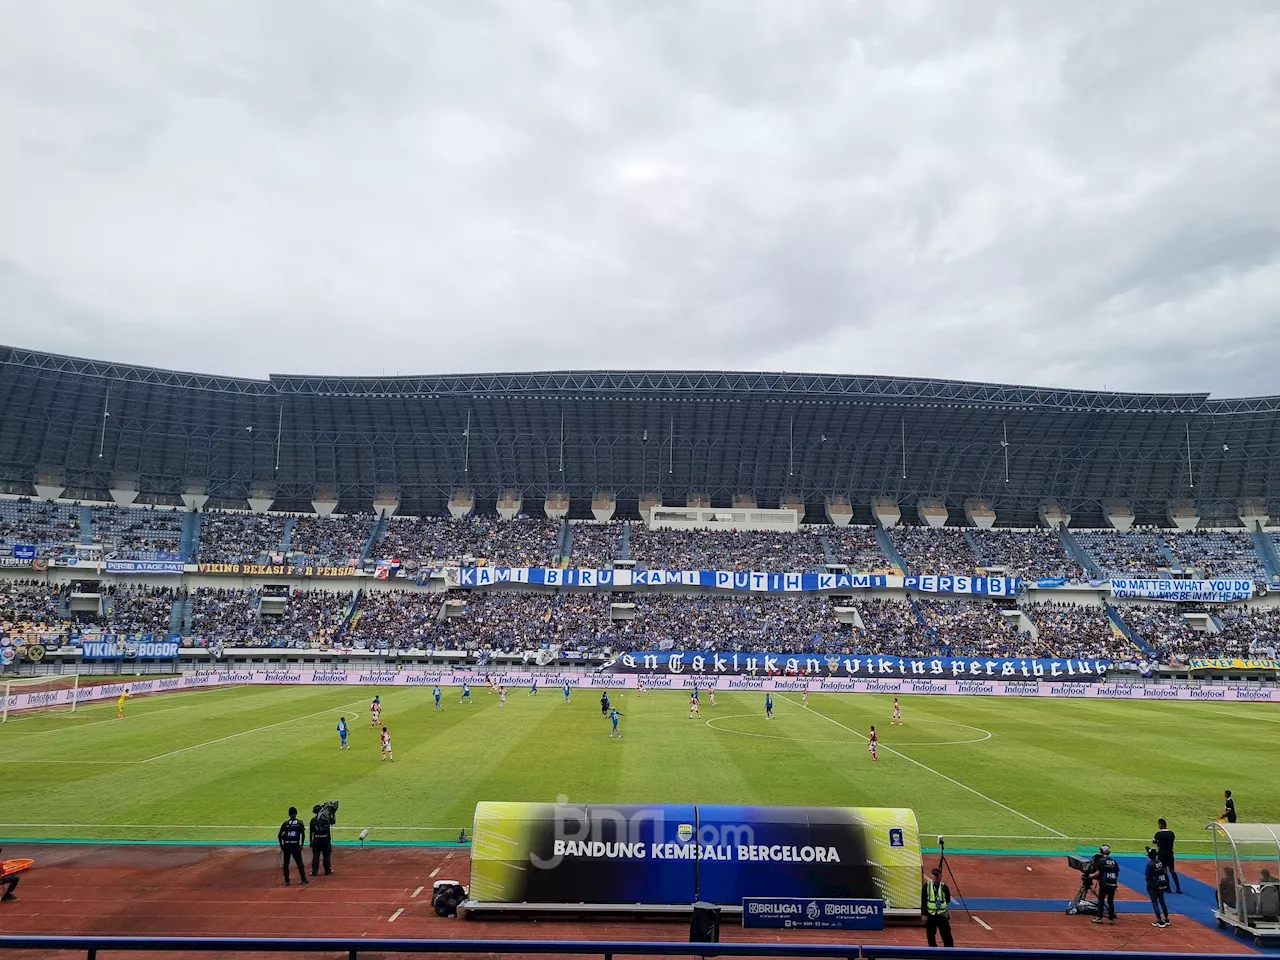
(937, 773)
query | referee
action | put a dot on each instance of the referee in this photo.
(291, 834)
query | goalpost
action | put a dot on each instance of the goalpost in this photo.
(53, 691)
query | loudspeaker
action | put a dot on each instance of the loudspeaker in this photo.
(704, 927)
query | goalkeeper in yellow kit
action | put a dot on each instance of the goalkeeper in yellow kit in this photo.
(120, 704)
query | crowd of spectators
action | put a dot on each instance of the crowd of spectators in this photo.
(138, 609)
(239, 537)
(1216, 553)
(331, 541)
(134, 533)
(518, 542)
(858, 548)
(972, 628)
(52, 528)
(1026, 553)
(1133, 554)
(425, 541)
(1165, 630)
(1075, 630)
(595, 545)
(30, 606)
(735, 623)
(890, 626)
(513, 623)
(935, 550)
(309, 618)
(775, 552)
(402, 619)
(1246, 632)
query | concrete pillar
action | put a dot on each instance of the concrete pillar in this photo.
(1183, 514)
(647, 502)
(1119, 515)
(1253, 514)
(886, 512)
(932, 512)
(604, 505)
(697, 500)
(839, 511)
(745, 501)
(461, 503)
(1052, 515)
(556, 506)
(980, 513)
(509, 504)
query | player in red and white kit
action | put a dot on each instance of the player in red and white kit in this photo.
(711, 695)
(897, 711)
(640, 686)
(873, 744)
(386, 746)
(375, 712)
(804, 696)
(693, 705)
(502, 700)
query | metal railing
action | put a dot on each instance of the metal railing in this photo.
(605, 949)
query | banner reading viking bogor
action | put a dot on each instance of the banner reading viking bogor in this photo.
(817, 666)
(1184, 591)
(676, 854)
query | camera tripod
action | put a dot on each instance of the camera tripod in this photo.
(945, 864)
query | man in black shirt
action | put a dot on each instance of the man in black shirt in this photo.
(1229, 812)
(290, 836)
(1164, 852)
(321, 829)
(1107, 870)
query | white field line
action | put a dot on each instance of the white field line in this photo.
(1245, 716)
(105, 703)
(936, 773)
(416, 892)
(982, 923)
(392, 918)
(245, 733)
(431, 876)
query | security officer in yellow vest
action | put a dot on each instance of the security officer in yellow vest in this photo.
(934, 901)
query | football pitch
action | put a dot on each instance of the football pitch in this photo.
(223, 765)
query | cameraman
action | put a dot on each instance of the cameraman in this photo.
(321, 830)
(1106, 869)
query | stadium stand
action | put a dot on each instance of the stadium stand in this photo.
(595, 545)
(945, 552)
(1071, 630)
(1027, 553)
(138, 609)
(1134, 554)
(519, 542)
(971, 628)
(891, 626)
(420, 541)
(401, 619)
(857, 547)
(1245, 632)
(1216, 553)
(331, 541)
(310, 618)
(131, 533)
(239, 537)
(52, 528)
(32, 606)
(726, 550)
(735, 623)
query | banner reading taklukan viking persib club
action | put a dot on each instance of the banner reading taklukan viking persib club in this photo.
(1181, 591)
(743, 580)
(678, 853)
(701, 663)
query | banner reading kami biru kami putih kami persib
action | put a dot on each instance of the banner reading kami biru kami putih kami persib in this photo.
(678, 853)
(816, 665)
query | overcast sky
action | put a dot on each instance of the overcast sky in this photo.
(1078, 194)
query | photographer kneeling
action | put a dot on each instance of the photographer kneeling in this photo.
(321, 829)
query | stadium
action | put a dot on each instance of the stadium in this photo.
(200, 575)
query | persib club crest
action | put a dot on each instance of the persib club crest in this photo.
(833, 664)
(685, 832)
(812, 913)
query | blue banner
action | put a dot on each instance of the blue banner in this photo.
(144, 566)
(122, 649)
(1181, 591)
(1049, 583)
(822, 914)
(818, 665)
(24, 551)
(740, 580)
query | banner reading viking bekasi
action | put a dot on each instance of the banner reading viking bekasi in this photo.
(700, 663)
(676, 854)
(1202, 591)
(740, 580)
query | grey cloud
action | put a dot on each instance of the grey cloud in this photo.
(1074, 195)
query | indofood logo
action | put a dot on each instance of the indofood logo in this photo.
(376, 678)
(746, 683)
(657, 681)
(1067, 690)
(608, 682)
(1198, 694)
(280, 676)
(879, 686)
(1160, 693)
(1248, 693)
(1115, 691)
(969, 686)
(329, 678)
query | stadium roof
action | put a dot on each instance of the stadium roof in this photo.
(770, 435)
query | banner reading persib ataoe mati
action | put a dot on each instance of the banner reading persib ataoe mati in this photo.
(678, 853)
(1179, 591)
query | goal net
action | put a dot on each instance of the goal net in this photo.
(39, 694)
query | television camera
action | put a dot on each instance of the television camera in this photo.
(1086, 899)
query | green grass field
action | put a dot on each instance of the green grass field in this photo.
(990, 773)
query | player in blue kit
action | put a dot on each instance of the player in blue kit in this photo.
(436, 694)
(613, 718)
(466, 692)
(533, 687)
(566, 691)
(768, 706)
(342, 734)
